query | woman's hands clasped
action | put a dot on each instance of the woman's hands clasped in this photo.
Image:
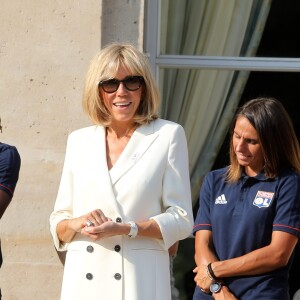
(95, 217)
(97, 225)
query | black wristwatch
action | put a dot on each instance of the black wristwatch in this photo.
(215, 287)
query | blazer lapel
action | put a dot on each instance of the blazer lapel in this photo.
(140, 141)
(103, 188)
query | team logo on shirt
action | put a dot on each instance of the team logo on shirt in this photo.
(263, 199)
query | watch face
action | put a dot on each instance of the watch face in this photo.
(215, 287)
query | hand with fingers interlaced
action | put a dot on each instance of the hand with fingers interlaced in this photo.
(92, 220)
(95, 218)
(97, 225)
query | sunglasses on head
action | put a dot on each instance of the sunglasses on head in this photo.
(131, 83)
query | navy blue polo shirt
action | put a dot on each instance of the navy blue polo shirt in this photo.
(242, 217)
(9, 168)
(9, 171)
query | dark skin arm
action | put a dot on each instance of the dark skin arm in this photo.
(5, 199)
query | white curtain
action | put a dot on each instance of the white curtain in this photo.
(204, 101)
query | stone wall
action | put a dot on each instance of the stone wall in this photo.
(45, 48)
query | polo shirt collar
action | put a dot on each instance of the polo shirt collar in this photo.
(260, 176)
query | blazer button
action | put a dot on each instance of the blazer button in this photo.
(117, 248)
(117, 276)
(89, 276)
(118, 220)
(90, 249)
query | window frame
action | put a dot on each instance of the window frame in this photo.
(157, 61)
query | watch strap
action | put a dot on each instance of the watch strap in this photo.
(133, 229)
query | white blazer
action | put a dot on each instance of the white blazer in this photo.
(150, 180)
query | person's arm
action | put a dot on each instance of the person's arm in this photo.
(283, 241)
(204, 248)
(102, 227)
(66, 229)
(263, 260)
(204, 253)
(5, 199)
(62, 225)
(173, 224)
(148, 229)
(109, 228)
(224, 294)
(10, 163)
(259, 261)
(176, 220)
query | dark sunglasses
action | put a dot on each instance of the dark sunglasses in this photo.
(131, 83)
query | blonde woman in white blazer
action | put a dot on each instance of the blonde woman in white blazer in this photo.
(124, 196)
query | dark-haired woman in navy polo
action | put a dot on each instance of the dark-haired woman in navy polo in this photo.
(248, 221)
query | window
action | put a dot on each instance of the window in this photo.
(209, 56)
(203, 52)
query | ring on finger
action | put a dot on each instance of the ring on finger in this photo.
(89, 223)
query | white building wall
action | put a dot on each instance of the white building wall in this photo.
(45, 48)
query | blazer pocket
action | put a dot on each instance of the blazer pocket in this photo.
(141, 243)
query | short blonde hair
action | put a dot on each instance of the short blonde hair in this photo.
(105, 65)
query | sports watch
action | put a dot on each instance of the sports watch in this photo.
(215, 287)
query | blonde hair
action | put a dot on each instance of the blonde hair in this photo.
(105, 65)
